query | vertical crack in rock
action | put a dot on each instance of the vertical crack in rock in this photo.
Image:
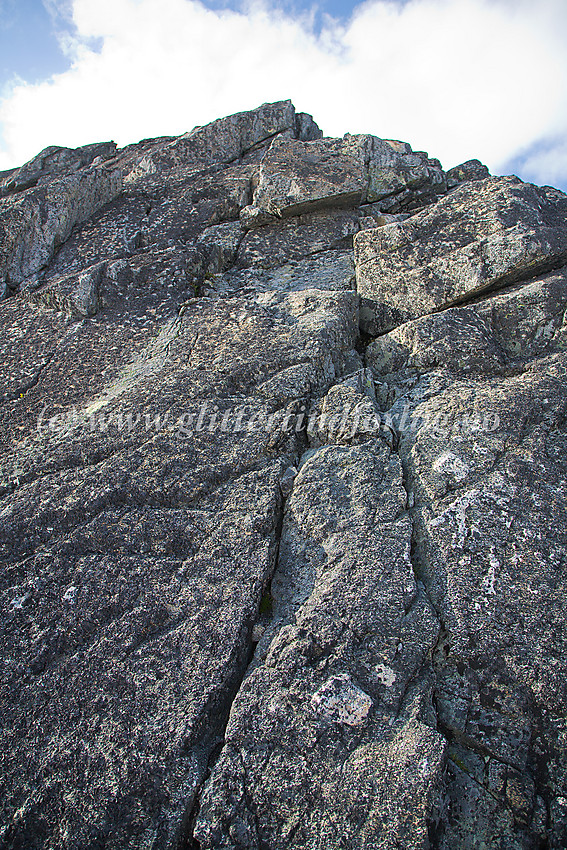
(222, 629)
(465, 476)
(337, 662)
(187, 838)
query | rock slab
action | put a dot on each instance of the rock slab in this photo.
(282, 497)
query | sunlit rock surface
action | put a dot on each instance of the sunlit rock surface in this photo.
(282, 497)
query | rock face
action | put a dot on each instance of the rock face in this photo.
(482, 236)
(282, 497)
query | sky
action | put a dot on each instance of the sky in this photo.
(460, 79)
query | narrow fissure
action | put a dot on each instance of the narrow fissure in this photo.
(505, 283)
(482, 294)
(263, 616)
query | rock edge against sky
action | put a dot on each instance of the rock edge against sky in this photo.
(282, 496)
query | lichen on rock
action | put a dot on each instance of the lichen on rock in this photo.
(282, 496)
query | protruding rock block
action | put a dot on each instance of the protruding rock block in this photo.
(298, 177)
(480, 237)
(472, 169)
(34, 224)
(486, 338)
(225, 140)
(55, 162)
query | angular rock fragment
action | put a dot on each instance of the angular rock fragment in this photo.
(86, 297)
(347, 414)
(300, 177)
(473, 169)
(494, 336)
(482, 236)
(409, 178)
(35, 223)
(307, 129)
(222, 141)
(54, 161)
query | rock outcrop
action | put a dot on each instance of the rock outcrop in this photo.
(282, 497)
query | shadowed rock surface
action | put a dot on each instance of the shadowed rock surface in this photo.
(282, 497)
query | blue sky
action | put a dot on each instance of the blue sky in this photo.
(459, 78)
(28, 45)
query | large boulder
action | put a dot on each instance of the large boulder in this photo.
(298, 177)
(479, 237)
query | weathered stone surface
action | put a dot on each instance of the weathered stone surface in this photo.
(328, 270)
(495, 336)
(490, 555)
(477, 396)
(34, 224)
(55, 161)
(266, 582)
(276, 244)
(473, 169)
(310, 731)
(481, 236)
(186, 208)
(298, 177)
(223, 141)
(130, 650)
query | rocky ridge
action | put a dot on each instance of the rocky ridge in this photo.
(282, 496)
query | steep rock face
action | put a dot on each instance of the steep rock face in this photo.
(482, 236)
(267, 583)
(297, 177)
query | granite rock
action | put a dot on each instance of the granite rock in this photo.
(55, 161)
(34, 223)
(283, 562)
(299, 177)
(472, 169)
(479, 237)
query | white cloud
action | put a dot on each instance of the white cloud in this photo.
(546, 163)
(460, 78)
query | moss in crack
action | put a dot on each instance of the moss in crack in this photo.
(266, 604)
(195, 285)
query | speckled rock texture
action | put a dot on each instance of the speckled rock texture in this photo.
(483, 235)
(282, 497)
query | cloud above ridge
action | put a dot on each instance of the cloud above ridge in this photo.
(459, 78)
